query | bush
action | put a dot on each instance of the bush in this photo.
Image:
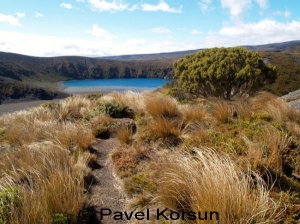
(9, 200)
(223, 72)
(114, 110)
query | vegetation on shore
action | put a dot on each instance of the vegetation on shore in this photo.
(12, 91)
(223, 72)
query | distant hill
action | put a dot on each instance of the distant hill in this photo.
(158, 56)
(19, 69)
(179, 54)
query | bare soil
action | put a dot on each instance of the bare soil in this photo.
(105, 192)
(12, 107)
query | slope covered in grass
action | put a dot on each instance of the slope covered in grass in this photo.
(238, 159)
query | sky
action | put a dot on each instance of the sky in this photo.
(98, 28)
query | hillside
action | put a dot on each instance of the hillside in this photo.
(24, 68)
(36, 72)
(132, 151)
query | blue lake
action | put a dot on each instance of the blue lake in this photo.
(108, 85)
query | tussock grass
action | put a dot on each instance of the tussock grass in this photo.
(161, 106)
(242, 109)
(100, 124)
(193, 114)
(212, 182)
(46, 179)
(26, 127)
(125, 135)
(169, 131)
(275, 107)
(221, 111)
(133, 100)
(72, 108)
(45, 161)
(268, 149)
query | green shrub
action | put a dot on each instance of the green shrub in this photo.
(114, 109)
(60, 219)
(9, 201)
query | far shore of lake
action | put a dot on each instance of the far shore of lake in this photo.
(25, 104)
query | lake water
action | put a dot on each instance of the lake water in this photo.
(119, 85)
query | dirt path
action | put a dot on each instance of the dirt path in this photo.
(12, 107)
(105, 193)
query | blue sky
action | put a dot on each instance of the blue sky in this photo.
(117, 27)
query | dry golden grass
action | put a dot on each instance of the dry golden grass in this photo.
(161, 106)
(193, 113)
(29, 126)
(169, 131)
(221, 111)
(72, 108)
(212, 182)
(125, 135)
(133, 100)
(242, 108)
(45, 162)
(266, 150)
(47, 180)
(277, 108)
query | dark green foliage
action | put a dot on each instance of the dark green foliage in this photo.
(60, 219)
(223, 72)
(9, 201)
(113, 109)
(18, 90)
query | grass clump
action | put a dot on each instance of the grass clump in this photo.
(161, 107)
(186, 184)
(125, 135)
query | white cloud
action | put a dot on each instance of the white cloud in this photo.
(114, 5)
(264, 31)
(14, 21)
(20, 15)
(204, 5)
(161, 6)
(100, 33)
(38, 15)
(236, 7)
(286, 13)
(39, 45)
(66, 5)
(195, 32)
(160, 29)
(263, 3)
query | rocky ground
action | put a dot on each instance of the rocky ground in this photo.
(293, 99)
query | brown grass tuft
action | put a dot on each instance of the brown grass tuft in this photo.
(277, 108)
(43, 174)
(125, 135)
(161, 106)
(212, 182)
(221, 111)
